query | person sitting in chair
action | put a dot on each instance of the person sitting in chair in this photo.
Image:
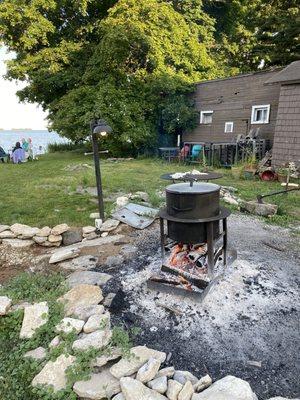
(18, 154)
(184, 152)
(3, 155)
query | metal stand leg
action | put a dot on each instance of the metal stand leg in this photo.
(225, 242)
(162, 238)
(210, 248)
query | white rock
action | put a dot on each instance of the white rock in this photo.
(88, 277)
(104, 234)
(228, 388)
(54, 238)
(140, 195)
(82, 263)
(95, 215)
(39, 239)
(18, 243)
(122, 201)
(135, 390)
(5, 303)
(7, 235)
(96, 340)
(44, 232)
(203, 383)
(24, 231)
(105, 358)
(54, 342)
(186, 392)
(38, 354)
(79, 296)
(108, 299)
(64, 254)
(109, 225)
(59, 229)
(4, 228)
(54, 373)
(35, 316)
(119, 396)
(183, 376)
(99, 386)
(68, 325)
(168, 371)
(88, 229)
(84, 312)
(174, 388)
(160, 385)
(98, 321)
(90, 236)
(148, 371)
(138, 356)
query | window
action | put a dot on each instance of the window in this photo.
(228, 127)
(206, 117)
(260, 114)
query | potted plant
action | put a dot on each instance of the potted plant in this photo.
(250, 167)
(282, 173)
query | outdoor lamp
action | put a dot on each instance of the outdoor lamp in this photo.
(99, 128)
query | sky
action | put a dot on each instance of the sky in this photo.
(12, 113)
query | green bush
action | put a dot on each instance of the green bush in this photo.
(69, 146)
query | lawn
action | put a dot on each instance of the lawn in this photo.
(43, 192)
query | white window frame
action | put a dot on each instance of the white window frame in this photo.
(228, 123)
(257, 107)
(202, 113)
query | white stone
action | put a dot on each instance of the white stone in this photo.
(104, 234)
(44, 232)
(138, 356)
(82, 263)
(59, 229)
(18, 243)
(64, 254)
(109, 225)
(140, 195)
(160, 385)
(4, 228)
(168, 372)
(40, 239)
(135, 390)
(119, 396)
(84, 312)
(54, 373)
(54, 238)
(148, 371)
(88, 277)
(38, 354)
(68, 325)
(81, 295)
(183, 376)
(95, 215)
(228, 388)
(95, 340)
(203, 383)
(98, 321)
(35, 316)
(54, 342)
(174, 388)
(122, 201)
(5, 303)
(105, 358)
(88, 229)
(90, 236)
(186, 392)
(99, 386)
(24, 231)
(7, 235)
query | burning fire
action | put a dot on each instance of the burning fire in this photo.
(189, 258)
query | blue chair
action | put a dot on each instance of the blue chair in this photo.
(196, 151)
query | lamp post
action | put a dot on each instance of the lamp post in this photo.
(99, 128)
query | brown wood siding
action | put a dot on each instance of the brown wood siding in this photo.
(287, 132)
(232, 100)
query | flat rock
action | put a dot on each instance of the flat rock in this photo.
(44, 232)
(68, 325)
(7, 235)
(81, 263)
(183, 376)
(24, 231)
(59, 229)
(18, 243)
(122, 201)
(186, 392)
(261, 209)
(4, 228)
(97, 321)
(119, 396)
(54, 342)
(90, 236)
(148, 371)
(105, 358)
(35, 316)
(88, 277)
(228, 388)
(109, 225)
(54, 373)
(88, 229)
(174, 388)
(72, 236)
(64, 254)
(39, 239)
(135, 390)
(84, 312)
(81, 295)
(139, 355)
(203, 383)
(5, 303)
(99, 386)
(96, 340)
(96, 242)
(54, 238)
(160, 385)
(37, 354)
(168, 371)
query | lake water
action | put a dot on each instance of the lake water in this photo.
(39, 138)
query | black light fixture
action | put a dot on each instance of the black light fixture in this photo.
(99, 128)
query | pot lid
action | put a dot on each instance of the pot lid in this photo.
(196, 188)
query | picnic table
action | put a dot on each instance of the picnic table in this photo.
(204, 176)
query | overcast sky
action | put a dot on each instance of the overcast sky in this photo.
(12, 113)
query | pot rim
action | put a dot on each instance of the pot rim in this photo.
(197, 188)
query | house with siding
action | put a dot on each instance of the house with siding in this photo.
(266, 103)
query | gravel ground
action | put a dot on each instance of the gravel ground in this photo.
(247, 326)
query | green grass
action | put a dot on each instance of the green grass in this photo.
(42, 192)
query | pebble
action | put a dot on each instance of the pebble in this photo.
(159, 384)
(5, 303)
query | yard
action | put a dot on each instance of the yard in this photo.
(44, 192)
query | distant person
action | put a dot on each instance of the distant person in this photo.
(3, 155)
(25, 147)
(30, 149)
(184, 152)
(18, 154)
